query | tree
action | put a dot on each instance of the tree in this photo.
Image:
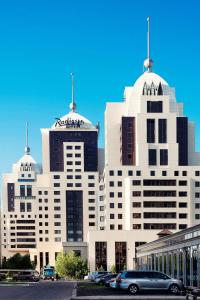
(113, 269)
(71, 266)
(18, 261)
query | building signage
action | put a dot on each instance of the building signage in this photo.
(69, 123)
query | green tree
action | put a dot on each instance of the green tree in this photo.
(18, 261)
(113, 269)
(71, 266)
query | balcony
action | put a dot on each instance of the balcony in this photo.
(25, 197)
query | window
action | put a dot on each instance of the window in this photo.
(91, 216)
(69, 163)
(77, 163)
(91, 223)
(56, 176)
(197, 216)
(56, 184)
(112, 216)
(136, 182)
(176, 173)
(150, 131)
(69, 147)
(159, 204)
(119, 194)
(119, 173)
(22, 207)
(119, 183)
(77, 147)
(28, 207)
(56, 192)
(77, 155)
(130, 173)
(162, 130)
(158, 182)
(182, 204)
(111, 173)
(138, 173)
(184, 173)
(197, 184)
(92, 207)
(112, 205)
(91, 200)
(56, 207)
(112, 227)
(136, 204)
(136, 193)
(69, 155)
(112, 194)
(136, 226)
(79, 177)
(120, 227)
(56, 216)
(69, 184)
(111, 183)
(91, 193)
(154, 106)
(46, 192)
(22, 190)
(119, 216)
(152, 173)
(182, 226)
(182, 216)
(159, 226)
(159, 193)
(90, 176)
(197, 195)
(119, 205)
(56, 200)
(57, 224)
(69, 177)
(136, 215)
(163, 157)
(152, 157)
(29, 190)
(197, 173)
(182, 194)
(182, 182)
(164, 173)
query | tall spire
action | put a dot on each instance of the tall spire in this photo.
(148, 63)
(27, 148)
(72, 105)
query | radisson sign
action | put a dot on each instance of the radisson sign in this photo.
(69, 123)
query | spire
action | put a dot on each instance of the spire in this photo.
(27, 148)
(148, 63)
(72, 105)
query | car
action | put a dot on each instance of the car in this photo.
(135, 281)
(105, 280)
(98, 278)
(93, 275)
(29, 275)
(113, 283)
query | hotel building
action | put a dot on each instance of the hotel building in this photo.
(150, 181)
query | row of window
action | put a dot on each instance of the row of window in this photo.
(89, 176)
(159, 215)
(160, 204)
(138, 173)
(153, 157)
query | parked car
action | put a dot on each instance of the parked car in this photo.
(113, 283)
(95, 274)
(105, 280)
(29, 275)
(135, 281)
(98, 278)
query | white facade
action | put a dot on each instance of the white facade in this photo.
(150, 181)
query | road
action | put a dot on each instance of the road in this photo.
(37, 291)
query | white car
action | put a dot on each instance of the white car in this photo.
(113, 283)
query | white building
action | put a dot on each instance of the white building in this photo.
(150, 181)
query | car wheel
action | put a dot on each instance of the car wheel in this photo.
(133, 289)
(174, 289)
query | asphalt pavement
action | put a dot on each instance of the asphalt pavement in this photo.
(37, 291)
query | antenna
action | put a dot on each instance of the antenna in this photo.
(148, 63)
(72, 105)
(27, 148)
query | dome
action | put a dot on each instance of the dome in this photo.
(72, 120)
(148, 78)
(27, 158)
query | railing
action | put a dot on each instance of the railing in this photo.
(25, 197)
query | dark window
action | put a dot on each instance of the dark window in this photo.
(152, 173)
(119, 183)
(197, 205)
(197, 184)
(159, 226)
(112, 227)
(119, 205)
(164, 173)
(197, 173)
(111, 183)
(136, 204)
(158, 182)
(22, 207)
(138, 173)
(120, 256)
(182, 182)
(56, 176)
(136, 182)
(159, 193)
(182, 194)
(182, 204)
(152, 157)
(136, 215)
(163, 157)
(130, 173)
(119, 173)
(162, 128)
(159, 215)
(150, 131)
(101, 255)
(136, 226)
(56, 184)
(159, 204)
(119, 194)
(154, 106)
(182, 216)
(29, 190)
(184, 173)
(112, 194)
(182, 226)
(136, 193)
(112, 216)
(111, 173)
(182, 140)
(112, 205)
(22, 190)
(176, 173)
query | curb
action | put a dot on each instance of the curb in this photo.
(74, 292)
(143, 297)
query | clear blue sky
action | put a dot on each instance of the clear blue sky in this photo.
(104, 43)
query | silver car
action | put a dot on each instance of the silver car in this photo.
(135, 281)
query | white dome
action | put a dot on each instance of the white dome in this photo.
(27, 158)
(148, 78)
(72, 120)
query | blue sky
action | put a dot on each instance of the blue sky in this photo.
(104, 43)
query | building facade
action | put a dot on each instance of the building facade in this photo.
(150, 181)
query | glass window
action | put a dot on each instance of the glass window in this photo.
(163, 157)
(150, 131)
(162, 128)
(22, 190)
(154, 106)
(152, 157)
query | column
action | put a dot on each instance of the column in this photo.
(184, 267)
(191, 266)
(167, 263)
(198, 265)
(172, 264)
(178, 264)
(163, 262)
